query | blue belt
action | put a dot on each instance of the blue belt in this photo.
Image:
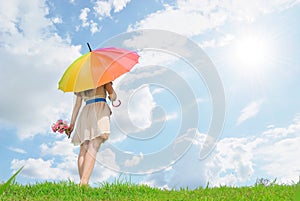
(95, 100)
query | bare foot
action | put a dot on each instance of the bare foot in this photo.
(83, 185)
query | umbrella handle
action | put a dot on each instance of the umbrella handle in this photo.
(117, 104)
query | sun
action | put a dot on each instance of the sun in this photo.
(251, 50)
(252, 54)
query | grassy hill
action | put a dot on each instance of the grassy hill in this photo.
(127, 191)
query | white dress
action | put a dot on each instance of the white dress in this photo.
(94, 119)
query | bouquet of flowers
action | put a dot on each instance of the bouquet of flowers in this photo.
(61, 126)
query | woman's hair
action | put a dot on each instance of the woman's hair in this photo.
(84, 93)
(88, 93)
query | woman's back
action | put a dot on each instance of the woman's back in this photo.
(99, 92)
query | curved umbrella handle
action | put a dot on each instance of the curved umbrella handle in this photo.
(117, 104)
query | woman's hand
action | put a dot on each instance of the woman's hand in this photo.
(70, 130)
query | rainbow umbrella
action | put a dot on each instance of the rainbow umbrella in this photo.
(96, 68)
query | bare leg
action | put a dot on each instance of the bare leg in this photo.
(81, 157)
(104, 136)
(89, 160)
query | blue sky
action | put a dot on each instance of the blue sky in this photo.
(254, 46)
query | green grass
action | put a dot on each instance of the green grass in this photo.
(127, 191)
(6, 185)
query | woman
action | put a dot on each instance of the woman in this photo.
(92, 126)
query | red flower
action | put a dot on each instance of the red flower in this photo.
(61, 126)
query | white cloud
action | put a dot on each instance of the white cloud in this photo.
(84, 17)
(85, 22)
(281, 132)
(17, 150)
(171, 116)
(63, 164)
(102, 174)
(140, 107)
(193, 17)
(187, 171)
(107, 158)
(279, 159)
(180, 21)
(158, 180)
(250, 111)
(134, 114)
(152, 57)
(120, 5)
(57, 20)
(220, 42)
(41, 169)
(59, 148)
(158, 91)
(104, 8)
(277, 155)
(33, 58)
(134, 161)
(139, 112)
(94, 27)
(236, 161)
(231, 162)
(32, 14)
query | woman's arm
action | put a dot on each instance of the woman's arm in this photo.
(75, 112)
(111, 92)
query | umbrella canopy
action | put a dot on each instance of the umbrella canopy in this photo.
(96, 68)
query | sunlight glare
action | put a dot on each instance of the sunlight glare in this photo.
(251, 54)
